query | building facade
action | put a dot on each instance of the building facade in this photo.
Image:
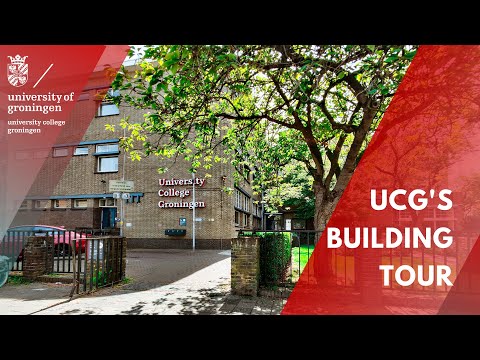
(158, 212)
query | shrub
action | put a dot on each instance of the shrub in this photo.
(275, 257)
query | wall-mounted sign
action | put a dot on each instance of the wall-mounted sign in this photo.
(172, 191)
(181, 204)
(181, 182)
(120, 186)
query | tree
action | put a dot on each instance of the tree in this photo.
(265, 105)
(292, 191)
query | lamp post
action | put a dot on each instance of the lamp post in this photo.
(193, 211)
(122, 215)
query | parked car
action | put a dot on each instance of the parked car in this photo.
(62, 238)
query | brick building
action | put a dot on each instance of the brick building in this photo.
(157, 204)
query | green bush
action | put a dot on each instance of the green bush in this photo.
(275, 257)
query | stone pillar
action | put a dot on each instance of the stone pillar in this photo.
(245, 266)
(37, 256)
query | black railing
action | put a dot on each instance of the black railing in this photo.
(102, 264)
(282, 260)
(13, 244)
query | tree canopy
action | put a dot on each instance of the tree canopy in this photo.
(262, 106)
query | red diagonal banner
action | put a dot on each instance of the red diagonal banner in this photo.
(47, 97)
(404, 261)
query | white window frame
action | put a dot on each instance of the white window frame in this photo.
(75, 203)
(68, 203)
(112, 147)
(41, 154)
(38, 202)
(80, 147)
(105, 157)
(23, 205)
(106, 202)
(23, 155)
(102, 113)
(57, 149)
(108, 102)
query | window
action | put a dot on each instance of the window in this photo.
(237, 218)
(298, 224)
(23, 155)
(404, 215)
(61, 203)
(108, 202)
(41, 154)
(428, 213)
(246, 203)
(80, 203)
(245, 220)
(23, 205)
(443, 213)
(41, 204)
(107, 107)
(238, 196)
(81, 150)
(104, 148)
(107, 164)
(60, 152)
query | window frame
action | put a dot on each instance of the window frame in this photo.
(75, 201)
(80, 147)
(47, 203)
(108, 102)
(99, 160)
(68, 203)
(115, 204)
(61, 148)
(109, 151)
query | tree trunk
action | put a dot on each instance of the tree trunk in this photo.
(325, 203)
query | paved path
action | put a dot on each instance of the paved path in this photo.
(163, 282)
(28, 298)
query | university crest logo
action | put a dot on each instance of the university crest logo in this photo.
(17, 71)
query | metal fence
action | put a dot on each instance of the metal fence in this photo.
(102, 264)
(346, 264)
(13, 244)
(290, 261)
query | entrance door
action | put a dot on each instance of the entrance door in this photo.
(108, 217)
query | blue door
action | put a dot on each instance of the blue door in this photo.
(108, 217)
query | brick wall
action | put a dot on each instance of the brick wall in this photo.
(38, 256)
(245, 273)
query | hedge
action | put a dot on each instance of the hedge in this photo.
(275, 256)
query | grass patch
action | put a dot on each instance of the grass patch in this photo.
(300, 256)
(55, 275)
(18, 280)
(126, 280)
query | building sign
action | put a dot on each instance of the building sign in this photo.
(169, 190)
(120, 186)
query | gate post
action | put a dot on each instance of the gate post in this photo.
(37, 256)
(245, 265)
